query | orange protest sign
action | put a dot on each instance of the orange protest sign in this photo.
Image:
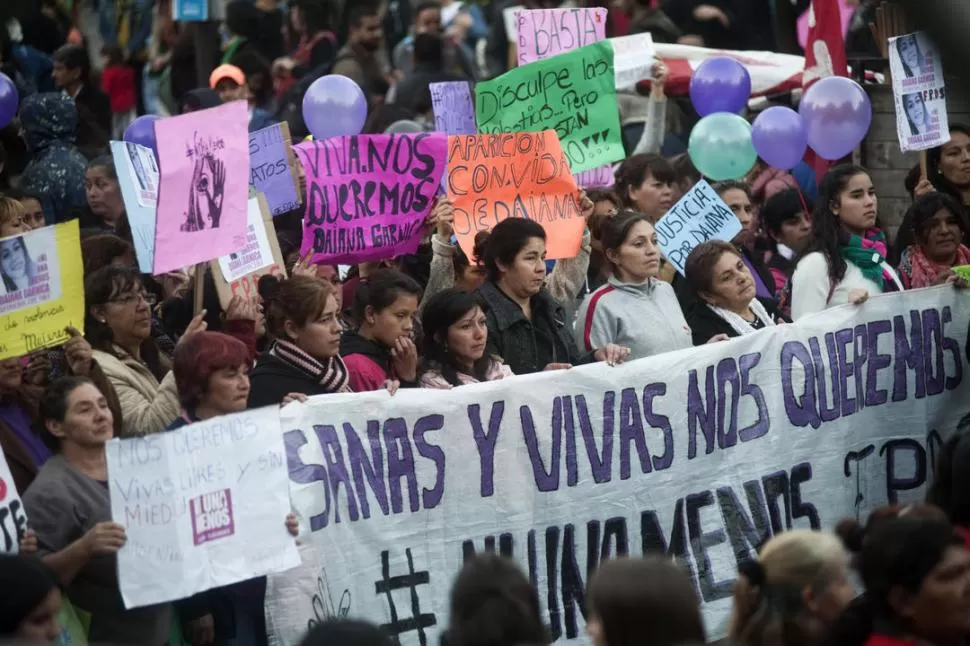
(516, 174)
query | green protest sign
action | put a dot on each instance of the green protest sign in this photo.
(572, 93)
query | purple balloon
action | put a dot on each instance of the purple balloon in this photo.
(142, 131)
(720, 84)
(334, 106)
(779, 137)
(837, 114)
(9, 100)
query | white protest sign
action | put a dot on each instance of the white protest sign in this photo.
(13, 518)
(701, 453)
(699, 216)
(633, 59)
(918, 92)
(257, 253)
(203, 506)
(138, 178)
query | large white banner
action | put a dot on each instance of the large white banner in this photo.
(203, 507)
(701, 453)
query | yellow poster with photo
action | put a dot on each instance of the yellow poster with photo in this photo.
(41, 288)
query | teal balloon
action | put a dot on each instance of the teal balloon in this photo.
(721, 148)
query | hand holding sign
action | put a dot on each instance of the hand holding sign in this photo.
(104, 539)
(78, 353)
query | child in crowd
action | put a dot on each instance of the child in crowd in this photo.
(118, 82)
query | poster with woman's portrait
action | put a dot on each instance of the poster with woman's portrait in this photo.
(29, 270)
(919, 92)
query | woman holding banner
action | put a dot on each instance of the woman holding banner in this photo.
(634, 308)
(845, 261)
(70, 511)
(726, 303)
(526, 326)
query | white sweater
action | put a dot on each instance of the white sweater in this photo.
(811, 285)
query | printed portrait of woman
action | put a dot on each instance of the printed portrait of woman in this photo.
(207, 190)
(916, 113)
(911, 56)
(16, 267)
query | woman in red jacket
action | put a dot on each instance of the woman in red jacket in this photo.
(382, 349)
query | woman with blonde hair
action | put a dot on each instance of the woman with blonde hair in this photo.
(793, 592)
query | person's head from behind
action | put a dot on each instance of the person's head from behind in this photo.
(258, 75)
(105, 250)
(916, 114)
(470, 273)
(212, 374)
(303, 311)
(917, 577)
(102, 189)
(33, 208)
(455, 333)
(345, 632)
(737, 195)
(29, 609)
(427, 18)
(72, 67)
(718, 276)
(309, 17)
(117, 308)
(364, 21)
(243, 19)
(800, 583)
(685, 175)
(515, 257)
(111, 55)
(787, 219)
(949, 164)
(429, 52)
(629, 245)
(632, 598)
(76, 415)
(384, 306)
(15, 262)
(229, 82)
(939, 226)
(605, 204)
(493, 604)
(13, 218)
(950, 490)
(645, 184)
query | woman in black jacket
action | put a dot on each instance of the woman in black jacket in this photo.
(303, 360)
(725, 301)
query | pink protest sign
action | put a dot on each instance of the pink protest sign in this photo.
(368, 195)
(542, 33)
(546, 32)
(203, 163)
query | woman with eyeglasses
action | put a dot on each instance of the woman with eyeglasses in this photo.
(118, 325)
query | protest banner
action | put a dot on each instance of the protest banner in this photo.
(41, 288)
(138, 178)
(571, 93)
(919, 92)
(203, 506)
(256, 254)
(701, 454)
(633, 59)
(699, 216)
(203, 160)
(454, 112)
(271, 163)
(368, 195)
(13, 518)
(514, 175)
(542, 33)
(247, 286)
(546, 32)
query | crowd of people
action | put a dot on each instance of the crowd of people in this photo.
(439, 318)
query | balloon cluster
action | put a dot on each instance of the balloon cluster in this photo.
(833, 117)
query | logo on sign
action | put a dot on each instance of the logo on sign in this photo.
(212, 516)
